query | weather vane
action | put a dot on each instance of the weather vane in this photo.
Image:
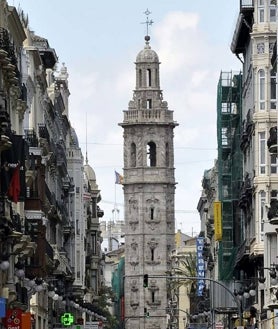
(148, 21)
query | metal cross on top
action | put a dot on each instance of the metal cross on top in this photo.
(148, 21)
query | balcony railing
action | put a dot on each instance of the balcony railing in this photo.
(148, 116)
(272, 140)
(43, 132)
(246, 4)
(31, 137)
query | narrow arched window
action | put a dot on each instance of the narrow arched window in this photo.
(151, 152)
(133, 155)
(149, 77)
(152, 213)
(262, 89)
(272, 90)
(153, 297)
(140, 78)
(167, 162)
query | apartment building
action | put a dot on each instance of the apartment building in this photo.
(50, 255)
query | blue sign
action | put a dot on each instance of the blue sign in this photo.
(2, 307)
(200, 266)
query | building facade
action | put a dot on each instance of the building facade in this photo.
(49, 219)
(244, 240)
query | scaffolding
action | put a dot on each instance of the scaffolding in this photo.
(229, 166)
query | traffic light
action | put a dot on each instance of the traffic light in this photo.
(146, 280)
(146, 313)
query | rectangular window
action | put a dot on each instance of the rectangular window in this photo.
(78, 264)
(271, 251)
(260, 11)
(263, 214)
(225, 108)
(272, 14)
(273, 164)
(273, 91)
(94, 242)
(261, 15)
(262, 151)
(262, 89)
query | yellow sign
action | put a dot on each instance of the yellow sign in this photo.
(217, 214)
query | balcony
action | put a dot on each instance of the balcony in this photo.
(247, 131)
(274, 57)
(246, 5)
(31, 137)
(7, 46)
(47, 54)
(32, 201)
(63, 267)
(243, 26)
(272, 214)
(147, 116)
(43, 132)
(272, 140)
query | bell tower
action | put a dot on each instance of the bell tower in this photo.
(149, 196)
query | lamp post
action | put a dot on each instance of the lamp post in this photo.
(184, 277)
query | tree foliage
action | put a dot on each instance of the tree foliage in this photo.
(186, 267)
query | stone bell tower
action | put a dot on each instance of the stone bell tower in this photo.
(149, 196)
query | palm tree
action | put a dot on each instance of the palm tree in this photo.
(183, 274)
(187, 270)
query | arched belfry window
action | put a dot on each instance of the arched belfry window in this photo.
(151, 154)
(149, 77)
(167, 162)
(133, 155)
(140, 78)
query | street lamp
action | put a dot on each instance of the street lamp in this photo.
(184, 277)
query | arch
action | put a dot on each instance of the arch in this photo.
(167, 160)
(133, 155)
(272, 90)
(151, 152)
(261, 76)
(149, 77)
(152, 213)
(140, 77)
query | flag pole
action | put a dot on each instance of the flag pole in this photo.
(115, 200)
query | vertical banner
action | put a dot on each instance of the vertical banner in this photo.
(217, 214)
(200, 266)
(2, 307)
(26, 320)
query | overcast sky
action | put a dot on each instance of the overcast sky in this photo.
(99, 40)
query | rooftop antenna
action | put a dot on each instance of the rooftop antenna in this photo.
(148, 21)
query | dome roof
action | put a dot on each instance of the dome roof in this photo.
(89, 172)
(147, 54)
(74, 138)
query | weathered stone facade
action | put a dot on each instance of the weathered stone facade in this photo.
(149, 191)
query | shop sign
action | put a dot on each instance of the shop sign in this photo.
(13, 318)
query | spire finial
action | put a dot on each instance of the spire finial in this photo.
(86, 142)
(148, 23)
